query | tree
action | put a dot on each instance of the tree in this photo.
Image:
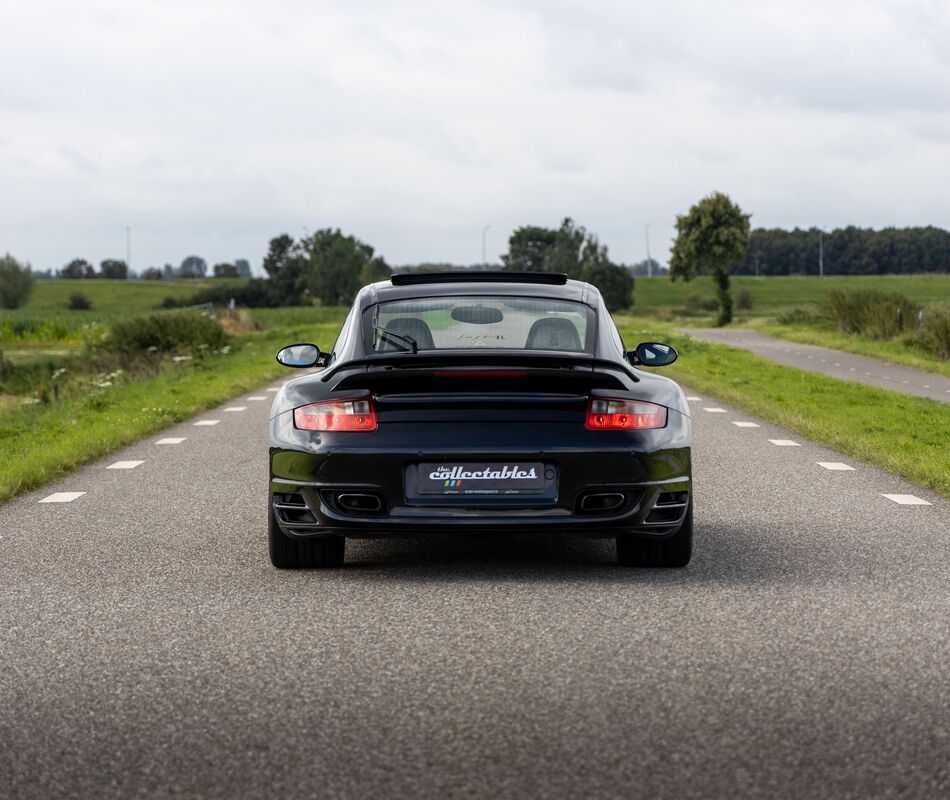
(225, 271)
(375, 270)
(195, 265)
(152, 274)
(16, 282)
(169, 273)
(78, 268)
(335, 265)
(243, 267)
(114, 269)
(614, 282)
(527, 248)
(286, 268)
(710, 238)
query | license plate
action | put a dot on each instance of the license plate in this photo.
(506, 478)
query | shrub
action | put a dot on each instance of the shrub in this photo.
(934, 333)
(700, 304)
(78, 302)
(256, 293)
(16, 282)
(797, 316)
(744, 300)
(185, 330)
(878, 315)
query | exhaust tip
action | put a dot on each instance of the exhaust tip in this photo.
(360, 502)
(601, 502)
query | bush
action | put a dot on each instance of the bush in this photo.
(878, 315)
(797, 316)
(744, 300)
(16, 282)
(699, 304)
(78, 302)
(185, 330)
(256, 293)
(934, 333)
(613, 281)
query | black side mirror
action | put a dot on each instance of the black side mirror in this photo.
(652, 354)
(299, 356)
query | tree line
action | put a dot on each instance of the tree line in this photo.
(116, 269)
(846, 251)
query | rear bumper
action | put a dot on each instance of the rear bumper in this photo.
(650, 470)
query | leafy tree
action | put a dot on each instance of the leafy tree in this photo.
(225, 271)
(78, 268)
(527, 248)
(114, 269)
(286, 267)
(615, 284)
(710, 238)
(195, 265)
(243, 267)
(16, 282)
(375, 270)
(169, 273)
(152, 274)
(335, 265)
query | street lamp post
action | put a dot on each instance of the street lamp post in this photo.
(821, 255)
(128, 248)
(484, 248)
(646, 232)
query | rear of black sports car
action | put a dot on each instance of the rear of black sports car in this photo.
(484, 407)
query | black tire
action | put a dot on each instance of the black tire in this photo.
(317, 553)
(670, 551)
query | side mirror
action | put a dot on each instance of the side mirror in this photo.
(299, 356)
(652, 354)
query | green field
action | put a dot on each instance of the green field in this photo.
(114, 298)
(771, 295)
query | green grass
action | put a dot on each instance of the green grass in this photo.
(39, 443)
(824, 334)
(121, 298)
(906, 435)
(772, 294)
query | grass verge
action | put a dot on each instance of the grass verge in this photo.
(39, 443)
(906, 435)
(898, 351)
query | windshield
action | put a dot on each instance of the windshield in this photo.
(481, 323)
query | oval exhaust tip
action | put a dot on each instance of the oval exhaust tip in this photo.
(357, 501)
(602, 501)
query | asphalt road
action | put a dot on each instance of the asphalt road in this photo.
(148, 649)
(835, 363)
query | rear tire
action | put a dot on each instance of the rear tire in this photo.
(319, 552)
(670, 551)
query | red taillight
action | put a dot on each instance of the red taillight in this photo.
(624, 415)
(336, 415)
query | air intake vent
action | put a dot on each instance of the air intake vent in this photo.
(669, 509)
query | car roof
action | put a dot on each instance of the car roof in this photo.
(548, 285)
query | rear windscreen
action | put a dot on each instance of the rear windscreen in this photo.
(483, 323)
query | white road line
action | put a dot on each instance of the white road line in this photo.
(257, 399)
(852, 369)
(905, 381)
(715, 410)
(907, 499)
(836, 466)
(746, 424)
(62, 497)
(784, 443)
(694, 399)
(205, 422)
(172, 440)
(125, 465)
(236, 408)
(273, 389)
(837, 364)
(926, 385)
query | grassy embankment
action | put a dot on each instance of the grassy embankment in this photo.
(773, 298)
(906, 435)
(41, 441)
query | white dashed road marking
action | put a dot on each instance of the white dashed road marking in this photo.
(273, 389)
(125, 465)
(907, 499)
(257, 399)
(236, 408)
(172, 440)
(746, 424)
(715, 410)
(693, 398)
(62, 497)
(835, 465)
(203, 422)
(784, 443)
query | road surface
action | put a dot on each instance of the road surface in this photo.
(835, 363)
(148, 648)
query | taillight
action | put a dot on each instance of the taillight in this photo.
(624, 415)
(336, 415)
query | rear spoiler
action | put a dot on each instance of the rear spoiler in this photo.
(434, 359)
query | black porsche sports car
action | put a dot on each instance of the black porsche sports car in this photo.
(480, 402)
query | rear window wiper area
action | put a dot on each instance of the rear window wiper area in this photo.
(408, 342)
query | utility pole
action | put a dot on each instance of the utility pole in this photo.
(128, 248)
(646, 232)
(484, 248)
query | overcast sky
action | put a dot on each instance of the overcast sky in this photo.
(209, 127)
